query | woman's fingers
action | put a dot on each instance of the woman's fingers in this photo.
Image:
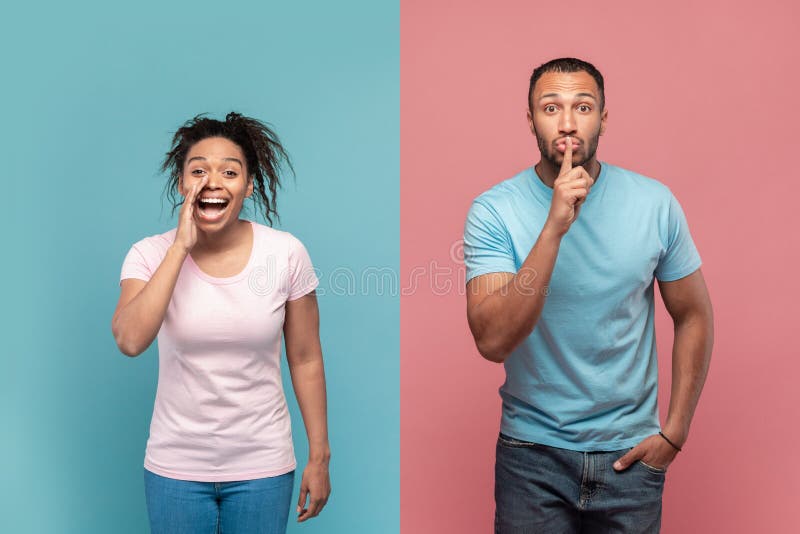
(301, 503)
(314, 488)
(187, 233)
(192, 196)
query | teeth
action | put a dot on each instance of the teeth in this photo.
(214, 200)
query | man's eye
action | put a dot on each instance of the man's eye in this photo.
(584, 108)
(550, 109)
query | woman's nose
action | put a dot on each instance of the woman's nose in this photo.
(214, 179)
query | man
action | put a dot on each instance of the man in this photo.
(561, 261)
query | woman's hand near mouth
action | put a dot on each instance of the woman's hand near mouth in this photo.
(143, 305)
(186, 235)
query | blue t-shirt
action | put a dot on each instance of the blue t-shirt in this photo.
(586, 378)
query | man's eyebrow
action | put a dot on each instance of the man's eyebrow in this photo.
(201, 158)
(578, 95)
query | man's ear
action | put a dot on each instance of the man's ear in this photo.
(603, 121)
(530, 121)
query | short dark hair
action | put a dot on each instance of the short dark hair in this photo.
(568, 64)
(264, 155)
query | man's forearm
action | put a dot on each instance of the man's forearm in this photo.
(691, 355)
(509, 314)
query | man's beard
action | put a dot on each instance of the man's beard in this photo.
(550, 155)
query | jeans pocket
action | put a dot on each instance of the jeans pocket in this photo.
(508, 441)
(653, 469)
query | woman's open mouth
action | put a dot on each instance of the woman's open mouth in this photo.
(212, 209)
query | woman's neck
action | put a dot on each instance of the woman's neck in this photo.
(223, 240)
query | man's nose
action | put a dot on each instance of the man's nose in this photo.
(566, 123)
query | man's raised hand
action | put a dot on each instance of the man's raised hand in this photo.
(569, 191)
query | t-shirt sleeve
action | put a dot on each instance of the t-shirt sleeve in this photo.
(487, 244)
(136, 265)
(679, 257)
(302, 277)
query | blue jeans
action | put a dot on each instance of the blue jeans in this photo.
(541, 489)
(258, 506)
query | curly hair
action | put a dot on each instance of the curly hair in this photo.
(568, 64)
(264, 155)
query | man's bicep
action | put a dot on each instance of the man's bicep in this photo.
(680, 256)
(482, 286)
(487, 244)
(686, 296)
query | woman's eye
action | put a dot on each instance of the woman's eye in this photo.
(197, 171)
(230, 173)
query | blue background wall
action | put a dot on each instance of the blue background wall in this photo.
(92, 93)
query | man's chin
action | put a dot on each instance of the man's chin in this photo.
(557, 162)
(575, 161)
(578, 161)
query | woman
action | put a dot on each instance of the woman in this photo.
(218, 290)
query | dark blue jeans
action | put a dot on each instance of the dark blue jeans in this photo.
(540, 489)
(258, 506)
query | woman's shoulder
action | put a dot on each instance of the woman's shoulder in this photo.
(156, 244)
(275, 237)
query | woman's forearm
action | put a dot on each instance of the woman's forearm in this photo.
(308, 380)
(136, 324)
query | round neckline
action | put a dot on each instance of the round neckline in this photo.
(227, 279)
(548, 191)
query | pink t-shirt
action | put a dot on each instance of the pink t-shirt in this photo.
(220, 413)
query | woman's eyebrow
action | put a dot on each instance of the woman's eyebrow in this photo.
(201, 158)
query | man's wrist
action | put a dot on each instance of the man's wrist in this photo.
(669, 441)
(675, 435)
(550, 235)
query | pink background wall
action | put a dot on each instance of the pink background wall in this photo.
(704, 99)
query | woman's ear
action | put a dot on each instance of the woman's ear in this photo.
(250, 180)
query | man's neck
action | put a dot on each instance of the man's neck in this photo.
(548, 172)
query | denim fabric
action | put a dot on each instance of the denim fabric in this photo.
(541, 489)
(259, 506)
